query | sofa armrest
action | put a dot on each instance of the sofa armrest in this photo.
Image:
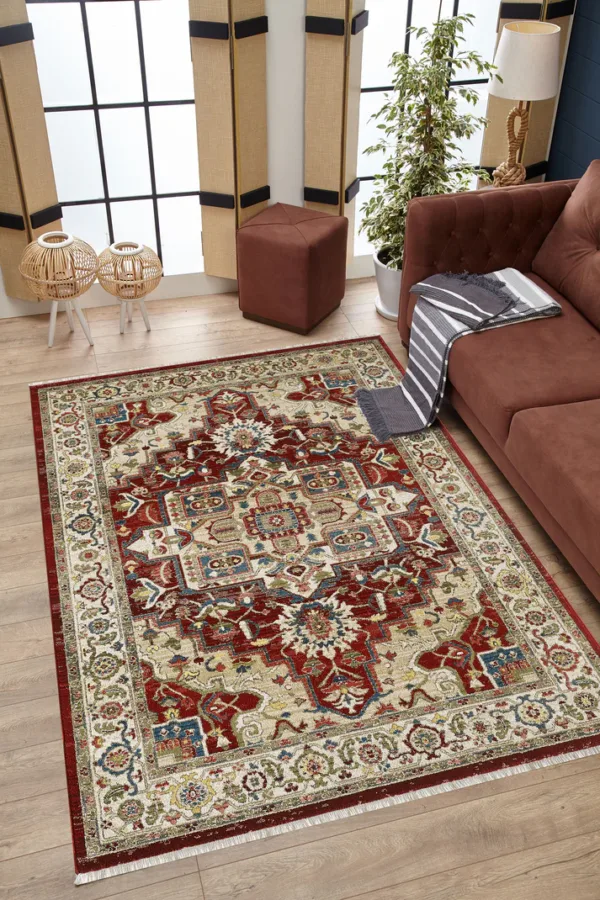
(476, 231)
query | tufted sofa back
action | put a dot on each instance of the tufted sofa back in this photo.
(477, 231)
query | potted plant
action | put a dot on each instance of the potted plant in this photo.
(420, 123)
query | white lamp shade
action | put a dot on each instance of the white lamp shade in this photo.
(527, 60)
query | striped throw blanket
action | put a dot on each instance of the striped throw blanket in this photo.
(449, 306)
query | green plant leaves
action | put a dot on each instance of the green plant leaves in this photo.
(420, 123)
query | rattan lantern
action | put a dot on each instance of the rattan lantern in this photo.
(129, 271)
(58, 266)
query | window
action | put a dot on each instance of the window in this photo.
(387, 33)
(118, 92)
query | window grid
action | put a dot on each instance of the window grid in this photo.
(390, 87)
(146, 104)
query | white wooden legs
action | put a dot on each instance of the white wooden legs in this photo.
(83, 322)
(70, 305)
(144, 313)
(52, 326)
(69, 311)
(73, 305)
(129, 312)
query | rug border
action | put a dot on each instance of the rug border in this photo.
(342, 806)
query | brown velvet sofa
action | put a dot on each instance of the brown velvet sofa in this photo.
(530, 393)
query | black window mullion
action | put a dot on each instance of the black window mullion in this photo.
(133, 197)
(454, 13)
(377, 90)
(138, 21)
(409, 11)
(132, 105)
(464, 81)
(390, 87)
(96, 111)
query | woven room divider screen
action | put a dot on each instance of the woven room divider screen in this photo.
(541, 118)
(28, 200)
(229, 56)
(334, 42)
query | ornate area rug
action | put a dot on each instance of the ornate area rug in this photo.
(265, 618)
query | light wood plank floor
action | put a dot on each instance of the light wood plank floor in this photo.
(524, 836)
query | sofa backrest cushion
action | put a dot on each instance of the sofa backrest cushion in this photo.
(569, 258)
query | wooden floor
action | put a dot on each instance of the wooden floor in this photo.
(528, 836)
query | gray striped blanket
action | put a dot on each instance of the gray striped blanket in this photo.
(449, 306)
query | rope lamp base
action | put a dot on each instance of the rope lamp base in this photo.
(508, 174)
(512, 171)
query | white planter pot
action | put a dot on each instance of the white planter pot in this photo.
(387, 302)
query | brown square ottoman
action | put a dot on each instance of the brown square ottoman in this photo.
(291, 266)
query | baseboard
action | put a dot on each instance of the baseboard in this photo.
(360, 267)
(171, 287)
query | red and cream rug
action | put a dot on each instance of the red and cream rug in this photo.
(264, 618)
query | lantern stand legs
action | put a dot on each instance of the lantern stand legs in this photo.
(69, 306)
(144, 313)
(126, 310)
(52, 326)
(69, 311)
(83, 322)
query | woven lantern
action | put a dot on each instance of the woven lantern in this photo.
(58, 266)
(129, 271)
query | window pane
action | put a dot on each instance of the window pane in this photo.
(361, 244)
(89, 223)
(471, 147)
(369, 134)
(481, 35)
(60, 53)
(74, 149)
(133, 220)
(384, 36)
(175, 148)
(167, 50)
(115, 53)
(126, 151)
(181, 235)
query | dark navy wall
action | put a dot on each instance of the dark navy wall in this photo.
(576, 139)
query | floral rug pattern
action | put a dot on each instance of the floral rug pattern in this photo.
(261, 613)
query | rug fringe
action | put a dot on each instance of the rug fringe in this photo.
(372, 414)
(324, 818)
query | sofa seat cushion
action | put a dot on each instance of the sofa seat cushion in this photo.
(569, 258)
(540, 363)
(555, 449)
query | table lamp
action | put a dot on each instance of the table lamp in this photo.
(527, 61)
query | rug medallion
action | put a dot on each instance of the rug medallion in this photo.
(263, 615)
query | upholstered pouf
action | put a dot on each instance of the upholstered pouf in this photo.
(291, 266)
